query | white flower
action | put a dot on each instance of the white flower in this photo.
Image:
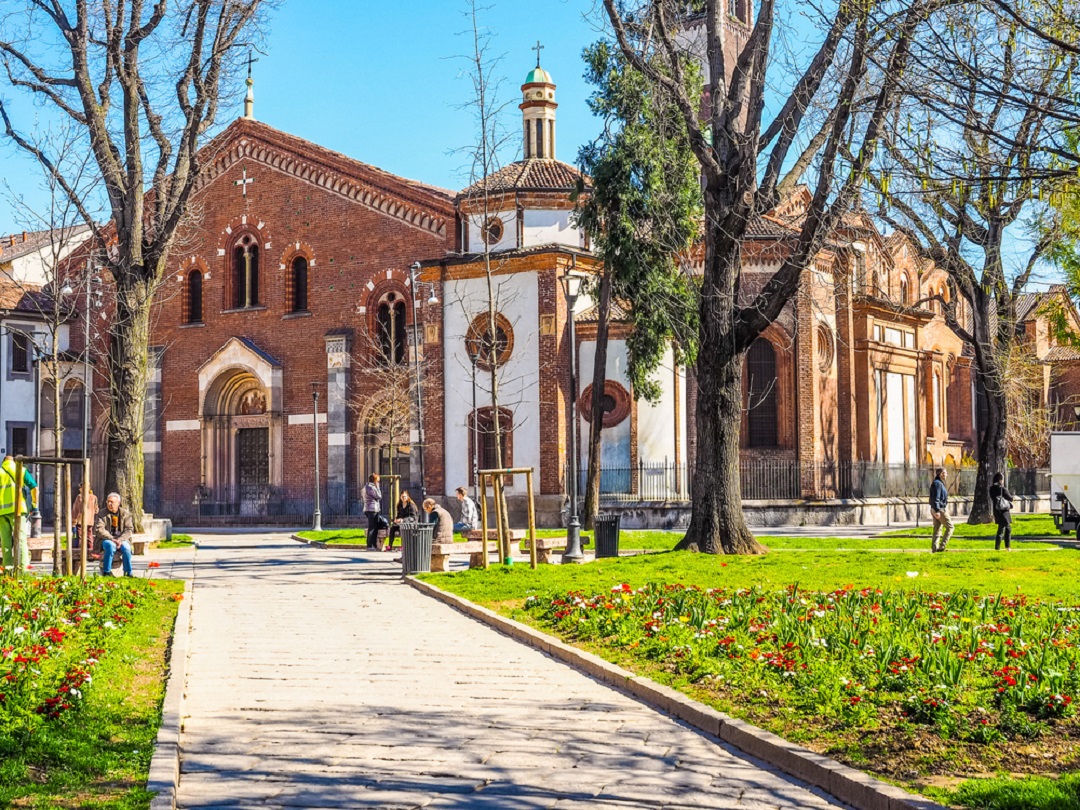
(20, 630)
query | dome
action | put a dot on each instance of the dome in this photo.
(538, 76)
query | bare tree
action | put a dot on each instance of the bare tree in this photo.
(480, 204)
(850, 74)
(982, 138)
(141, 81)
(53, 298)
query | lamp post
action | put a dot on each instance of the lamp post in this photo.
(474, 356)
(317, 515)
(571, 284)
(414, 268)
(67, 290)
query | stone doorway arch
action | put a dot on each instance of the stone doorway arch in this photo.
(241, 427)
(386, 429)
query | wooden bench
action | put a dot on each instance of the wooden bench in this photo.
(441, 553)
(547, 546)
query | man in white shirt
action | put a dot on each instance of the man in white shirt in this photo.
(470, 514)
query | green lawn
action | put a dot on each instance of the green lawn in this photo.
(177, 541)
(629, 540)
(1041, 525)
(1037, 572)
(98, 756)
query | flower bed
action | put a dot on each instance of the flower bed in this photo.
(964, 682)
(53, 633)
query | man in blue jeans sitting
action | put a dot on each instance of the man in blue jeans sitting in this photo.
(114, 528)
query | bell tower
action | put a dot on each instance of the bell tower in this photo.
(538, 112)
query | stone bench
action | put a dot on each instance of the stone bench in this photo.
(441, 553)
(493, 535)
(547, 546)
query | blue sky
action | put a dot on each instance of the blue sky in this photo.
(379, 81)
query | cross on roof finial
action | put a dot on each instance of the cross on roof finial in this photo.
(250, 62)
(538, 48)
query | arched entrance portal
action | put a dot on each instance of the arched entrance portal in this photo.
(239, 434)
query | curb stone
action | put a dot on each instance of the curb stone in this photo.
(164, 773)
(853, 787)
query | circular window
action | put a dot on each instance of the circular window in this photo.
(615, 402)
(825, 348)
(493, 230)
(488, 347)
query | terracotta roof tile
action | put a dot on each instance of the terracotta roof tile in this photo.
(533, 174)
(17, 245)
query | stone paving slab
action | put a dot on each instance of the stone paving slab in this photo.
(316, 679)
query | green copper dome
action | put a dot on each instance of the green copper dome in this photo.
(538, 75)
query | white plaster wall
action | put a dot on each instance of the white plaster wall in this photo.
(656, 421)
(546, 227)
(614, 441)
(37, 267)
(18, 398)
(509, 237)
(518, 300)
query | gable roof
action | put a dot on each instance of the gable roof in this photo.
(422, 206)
(25, 299)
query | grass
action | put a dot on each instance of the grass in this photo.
(1004, 793)
(99, 756)
(919, 757)
(1038, 573)
(177, 541)
(1041, 525)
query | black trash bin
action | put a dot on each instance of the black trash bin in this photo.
(416, 546)
(607, 535)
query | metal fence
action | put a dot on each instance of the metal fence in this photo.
(783, 479)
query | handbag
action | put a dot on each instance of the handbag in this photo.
(1002, 504)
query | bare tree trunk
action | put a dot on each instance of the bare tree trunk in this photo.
(128, 373)
(596, 424)
(993, 453)
(58, 446)
(717, 525)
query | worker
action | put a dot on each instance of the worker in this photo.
(12, 493)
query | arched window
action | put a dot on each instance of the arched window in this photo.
(245, 272)
(193, 302)
(761, 386)
(482, 430)
(904, 299)
(390, 330)
(298, 285)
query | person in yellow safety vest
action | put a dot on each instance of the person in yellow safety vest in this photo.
(11, 492)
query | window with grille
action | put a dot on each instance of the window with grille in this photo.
(761, 392)
(20, 353)
(194, 297)
(391, 331)
(482, 430)
(298, 284)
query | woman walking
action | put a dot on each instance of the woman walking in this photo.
(406, 510)
(1001, 501)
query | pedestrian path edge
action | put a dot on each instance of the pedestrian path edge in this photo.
(164, 776)
(851, 786)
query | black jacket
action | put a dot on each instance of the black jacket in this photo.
(998, 491)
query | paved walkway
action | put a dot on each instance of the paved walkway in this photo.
(317, 679)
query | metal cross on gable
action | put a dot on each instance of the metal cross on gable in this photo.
(244, 182)
(538, 47)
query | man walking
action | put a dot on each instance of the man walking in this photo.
(114, 528)
(470, 515)
(939, 500)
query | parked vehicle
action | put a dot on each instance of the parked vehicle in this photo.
(1065, 481)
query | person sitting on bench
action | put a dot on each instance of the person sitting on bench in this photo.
(444, 523)
(470, 515)
(114, 528)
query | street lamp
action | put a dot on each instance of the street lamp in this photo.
(316, 517)
(474, 357)
(67, 290)
(571, 284)
(433, 299)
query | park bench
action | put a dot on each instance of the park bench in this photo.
(441, 553)
(478, 534)
(547, 546)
